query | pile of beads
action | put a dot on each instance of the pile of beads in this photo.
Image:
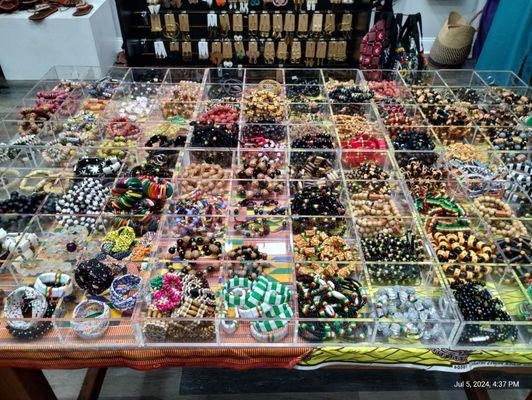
(317, 200)
(21, 204)
(469, 95)
(192, 248)
(214, 135)
(323, 297)
(104, 88)
(83, 128)
(370, 178)
(315, 166)
(220, 115)
(267, 132)
(350, 94)
(259, 176)
(413, 139)
(385, 89)
(263, 106)
(94, 105)
(477, 304)
(393, 258)
(32, 120)
(312, 140)
(412, 317)
(315, 245)
(246, 253)
(423, 179)
(500, 217)
(134, 109)
(86, 197)
(430, 96)
(57, 154)
(122, 128)
(463, 247)
(205, 177)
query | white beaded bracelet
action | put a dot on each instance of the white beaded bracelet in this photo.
(44, 284)
(98, 324)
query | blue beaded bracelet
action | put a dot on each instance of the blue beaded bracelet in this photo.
(121, 289)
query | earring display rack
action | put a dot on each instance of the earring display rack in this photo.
(243, 33)
(299, 218)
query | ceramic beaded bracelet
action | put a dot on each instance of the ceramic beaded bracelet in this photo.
(97, 314)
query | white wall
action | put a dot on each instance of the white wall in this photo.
(434, 12)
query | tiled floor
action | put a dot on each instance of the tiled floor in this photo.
(330, 384)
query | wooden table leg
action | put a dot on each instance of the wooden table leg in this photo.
(24, 384)
(92, 384)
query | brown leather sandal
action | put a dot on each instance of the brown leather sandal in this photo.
(43, 11)
(82, 9)
(8, 5)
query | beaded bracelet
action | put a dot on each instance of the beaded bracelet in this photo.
(477, 304)
(93, 276)
(398, 303)
(54, 285)
(322, 297)
(97, 313)
(125, 291)
(20, 302)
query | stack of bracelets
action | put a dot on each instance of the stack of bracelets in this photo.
(321, 298)
(261, 298)
(477, 304)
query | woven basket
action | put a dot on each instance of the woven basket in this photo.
(452, 46)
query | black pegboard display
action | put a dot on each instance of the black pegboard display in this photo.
(139, 39)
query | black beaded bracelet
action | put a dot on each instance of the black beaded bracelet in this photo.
(93, 276)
